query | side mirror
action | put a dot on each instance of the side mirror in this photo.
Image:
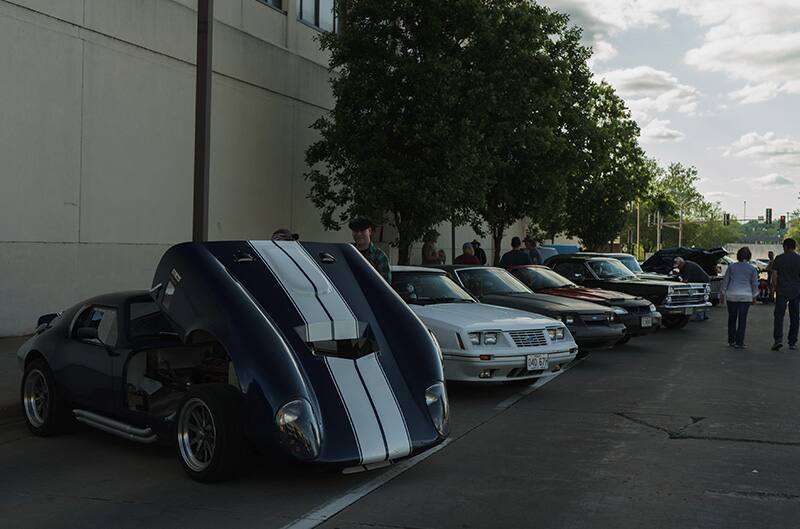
(87, 333)
(46, 319)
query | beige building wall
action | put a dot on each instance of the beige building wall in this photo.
(97, 138)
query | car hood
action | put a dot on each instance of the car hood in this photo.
(594, 295)
(478, 316)
(544, 303)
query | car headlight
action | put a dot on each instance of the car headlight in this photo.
(438, 407)
(619, 311)
(670, 290)
(669, 299)
(298, 430)
(475, 338)
(708, 289)
(652, 308)
(490, 338)
(556, 333)
(569, 320)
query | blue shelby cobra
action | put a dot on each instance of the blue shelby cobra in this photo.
(297, 345)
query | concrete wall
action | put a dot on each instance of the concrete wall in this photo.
(96, 140)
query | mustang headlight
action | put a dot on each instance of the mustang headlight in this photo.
(490, 338)
(438, 407)
(619, 311)
(652, 308)
(298, 430)
(569, 320)
(556, 333)
(475, 338)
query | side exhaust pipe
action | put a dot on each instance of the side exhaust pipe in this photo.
(120, 429)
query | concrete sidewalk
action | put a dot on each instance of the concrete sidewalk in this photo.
(9, 377)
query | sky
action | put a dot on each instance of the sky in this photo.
(711, 83)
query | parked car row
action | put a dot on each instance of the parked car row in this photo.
(304, 348)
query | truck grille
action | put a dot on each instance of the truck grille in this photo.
(688, 295)
(531, 338)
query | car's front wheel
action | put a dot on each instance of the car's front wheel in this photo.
(675, 321)
(45, 411)
(209, 432)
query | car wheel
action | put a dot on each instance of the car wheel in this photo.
(209, 432)
(675, 321)
(43, 407)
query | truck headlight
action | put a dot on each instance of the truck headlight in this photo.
(619, 311)
(556, 333)
(490, 338)
(298, 431)
(475, 338)
(438, 407)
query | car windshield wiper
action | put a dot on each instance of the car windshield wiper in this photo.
(449, 300)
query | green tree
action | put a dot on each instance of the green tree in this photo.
(400, 144)
(530, 71)
(612, 170)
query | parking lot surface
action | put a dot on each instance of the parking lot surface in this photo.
(672, 430)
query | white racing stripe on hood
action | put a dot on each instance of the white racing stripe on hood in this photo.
(359, 408)
(395, 430)
(327, 315)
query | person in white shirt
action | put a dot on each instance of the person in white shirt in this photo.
(739, 291)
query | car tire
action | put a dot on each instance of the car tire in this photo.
(45, 411)
(209, 432)
(675, 321)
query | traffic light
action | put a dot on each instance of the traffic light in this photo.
(769, 215)
(783, 222)
(726, 219)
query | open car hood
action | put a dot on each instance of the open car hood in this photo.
(661, 261)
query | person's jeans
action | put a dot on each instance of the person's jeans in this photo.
(794, 317)
(737, 321)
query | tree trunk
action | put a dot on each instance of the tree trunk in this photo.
(497, 242)
(403, 250)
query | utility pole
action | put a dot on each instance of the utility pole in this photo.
(638, 227)
(658, 230)
(680, 226)
(202, 119)
(744, 213)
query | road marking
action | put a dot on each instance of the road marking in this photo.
(328, 510)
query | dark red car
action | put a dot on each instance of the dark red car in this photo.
(639, 315)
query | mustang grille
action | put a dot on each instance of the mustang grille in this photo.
(531, 338)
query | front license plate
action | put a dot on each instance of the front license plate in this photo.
(536, 362)
(647, 321)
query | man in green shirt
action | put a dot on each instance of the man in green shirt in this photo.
(362, 239)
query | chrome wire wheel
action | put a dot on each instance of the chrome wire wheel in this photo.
(36, 398)
(197, 435)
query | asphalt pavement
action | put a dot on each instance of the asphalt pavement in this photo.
(672, 430)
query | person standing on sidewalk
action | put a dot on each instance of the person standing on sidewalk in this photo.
(786, 283)
(739, 290)
(361, 228)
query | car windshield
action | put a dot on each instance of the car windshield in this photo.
(485, 281)
(427, 288)
(610, 269)
(542, 278)
(631, 264)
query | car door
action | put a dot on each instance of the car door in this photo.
(87, 372)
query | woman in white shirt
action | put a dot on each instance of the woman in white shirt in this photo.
(739, 290)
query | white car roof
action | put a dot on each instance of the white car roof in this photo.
(400, 268)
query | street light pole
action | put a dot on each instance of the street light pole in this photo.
(202, 119)
(680, 226)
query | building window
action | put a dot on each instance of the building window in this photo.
(319, 13)
(277, 4)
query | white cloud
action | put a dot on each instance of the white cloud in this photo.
(772, 181)
(718, 195)
(756, 42)
(659, 130)
(649, 91)
(767, 149)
